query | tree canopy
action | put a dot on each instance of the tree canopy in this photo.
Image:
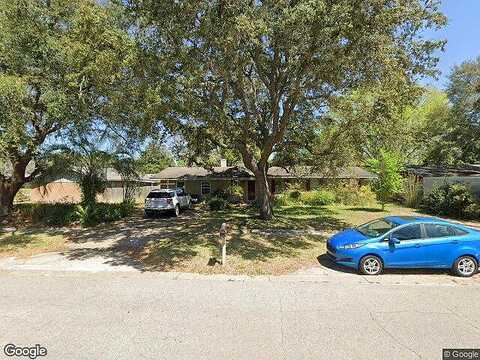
(462, 142)
(248, 75)
(60, 64)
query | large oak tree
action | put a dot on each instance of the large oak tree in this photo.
(60, 61)
(244, 73)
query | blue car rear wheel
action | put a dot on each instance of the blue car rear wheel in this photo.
(465, 266)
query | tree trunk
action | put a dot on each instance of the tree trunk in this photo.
(262, 194)
(9, 187)
(8, 190)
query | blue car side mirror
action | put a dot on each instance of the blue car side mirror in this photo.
(392, 240)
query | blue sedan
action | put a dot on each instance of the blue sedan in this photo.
(407, 242)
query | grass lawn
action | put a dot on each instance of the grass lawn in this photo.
(27, 244)
(291, 241)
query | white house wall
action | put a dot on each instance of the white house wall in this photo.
(429, 183)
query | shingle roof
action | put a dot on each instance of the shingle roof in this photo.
(444, 171)
(274, 171)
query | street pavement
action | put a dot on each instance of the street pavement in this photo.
(318, 314)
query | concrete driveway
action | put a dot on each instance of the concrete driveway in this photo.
(130, 315)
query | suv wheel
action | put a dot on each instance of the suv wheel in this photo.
(370, 265)
(465, 266)
(177, 210)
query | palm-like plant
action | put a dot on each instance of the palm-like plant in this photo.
(87, 165)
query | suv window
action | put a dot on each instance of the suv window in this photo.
(160, 195)
(409, 232)
(440, 230)
(180, 192)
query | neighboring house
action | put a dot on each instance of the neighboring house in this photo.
(201, 182)
(426, 178)
(67, 190)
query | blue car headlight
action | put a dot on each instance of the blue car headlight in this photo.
(351, 246)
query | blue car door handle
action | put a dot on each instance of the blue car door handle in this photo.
(454, 241)
(417, 245)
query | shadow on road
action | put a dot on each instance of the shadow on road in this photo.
(324, 261)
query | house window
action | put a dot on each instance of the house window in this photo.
(180, 184)
(167, 184)
(205, 187)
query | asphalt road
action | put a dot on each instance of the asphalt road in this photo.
(147, 316)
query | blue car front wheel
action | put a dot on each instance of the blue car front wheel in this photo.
(370, 265)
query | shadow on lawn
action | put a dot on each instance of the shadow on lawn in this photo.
(167, 243)
(14, 240)
(366, 209)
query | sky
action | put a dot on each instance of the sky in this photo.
(462, 34)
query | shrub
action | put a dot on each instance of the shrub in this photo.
(217, 203)
(282, 200)
(23, 196)
(451, 200)
(236, 193)
(295, 194)
(62, 214)
(389, 182)
(354, 195)
(472, 211)
(127, 208)
(413, 194)
(318, 197)
(49, 214)
(87, 215)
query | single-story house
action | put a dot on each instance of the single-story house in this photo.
(426, 178)
(67, 190)
(201, 181)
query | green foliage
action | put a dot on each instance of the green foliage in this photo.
(342, 194)
(48, 214)
(354, 195)
(83, 162)
(236, 194)
(232, 194)
(62, 65)
(282, 199)
(23, 196)
(460, 142)
(217, 203)
(451, 200)
(265, 68)
(294, 194)
(387, 166)
(413, 194)
(86, 215)
(61, 214)
(154, 159)
(317, 197)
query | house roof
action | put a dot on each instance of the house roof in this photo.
(444, 171)
(239, 172)
(111, 175)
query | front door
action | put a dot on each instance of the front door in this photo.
(408, 253)
(251, 190)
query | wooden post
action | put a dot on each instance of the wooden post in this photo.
(223, 242)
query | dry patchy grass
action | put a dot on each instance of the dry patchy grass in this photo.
(291, 241)
(23, 245)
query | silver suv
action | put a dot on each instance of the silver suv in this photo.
(163, 200)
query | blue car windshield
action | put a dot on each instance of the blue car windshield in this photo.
(376, 228)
